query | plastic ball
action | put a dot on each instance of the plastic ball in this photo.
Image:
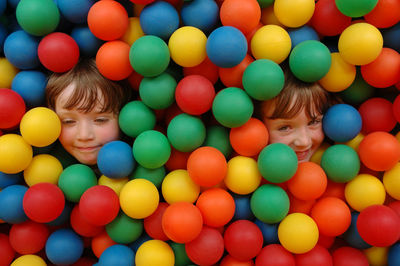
(363, 191)
(12, 108)
(271, 42)
(38, 17)
(360, 43)
(294, 13)
(382, 217)
(112, 60)
(28, 237)
(181, 257)
(385, 14)
(226, 46)
(21, 49)
(30, 85)
(298, 233)
(243, 176)
(15, 154)
(133, 32)
(7, 73)
(269, 231)
(205, 68)
(32, 260)
(228, 260)
(354, 8)
(8, 253)
(303, 33)
(269, 203)
(64, 246)
(242, 208)
(393, 257)
(139, 198)
(149, 56)
(87, 42)
(124, 230)
(319, 255)
(43, 168)
(101, 242)
(232, 77)
(243, 15)
(217, 136)
(274, 254)
(75, 11)
(155, 175)
(137, 111)
(117, 254)
(158, 92)
(9, 179)
(352, 236)
(154, 252)
(82, 226)
(178, 186)
(391, 37)
(58, 52)
(12, 198)
(107, 20)
(396, 108)
(115, 159)
(153, 223)
(343, 255)
(379, 151)
(202, 14)
(358, 92)
(391, 181)
(377, 115)
(377, 255)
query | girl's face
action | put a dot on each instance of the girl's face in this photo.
(83, 134)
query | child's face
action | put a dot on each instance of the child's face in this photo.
(83, 134)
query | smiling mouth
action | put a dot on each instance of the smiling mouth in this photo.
(301, 155)
(88, 149)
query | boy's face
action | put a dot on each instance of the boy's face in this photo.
(83, 134)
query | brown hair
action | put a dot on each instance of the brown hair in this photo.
(90, 87)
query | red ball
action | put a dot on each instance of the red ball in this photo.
(194, 94)
(345, 256)
(385, 14)
(384, 71)
(243, 240)
(43, 202)
(232, 77)
(377, 115)
(177, 160)
(207, 248)
(7, 252)
(395, 205)
(206, 69)
(396, 108)
(275, 255)
(28, 237)
(12, 108)
(142, 2)
(153, 225)
(99, 205)
(81, 226)
(228, 260)
(317, 256)
(58, 52)
(379, 225)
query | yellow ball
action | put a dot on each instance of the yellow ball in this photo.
(243, 176)
(271, 42)
(139, 198)
(294, 13)
(154, 253)
(316, 157)
(363, 191)
(355, 142)
(178, 186)
(268, 16)
(340, 75)
(377, 256)
(114, 184)
(7, 73)
(398, 136)
(40, 126)
(15, 154)
(298, 233)
(43, 168)
(133, 32)
(187, 46)
(31, 260)
(391, 181)
(360, 43)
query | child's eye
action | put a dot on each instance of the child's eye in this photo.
(101, 120)
(284, 128)
(68, 121)
(314, 122)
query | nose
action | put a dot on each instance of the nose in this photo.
(85, 131)
(302, 137)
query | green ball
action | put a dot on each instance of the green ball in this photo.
(358, 92)
(38, 17)
(75, 180)
(340, 163)
(156, 176)
(277, 162)
(149, 56)
(135, 117)
(269, 203)
(263, 79)
(232, 107)
(124, 229)
(310, 60)
(265, 3)
(158, 92)
(218, 137)
(151, 149)
(186, 132)
(181, 258)
(355, 8)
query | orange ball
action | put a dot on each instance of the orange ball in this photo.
(334, 189)
(332, 215)
(101, 242)
(217, 207)
(298, 205)
(112, 60)
(207, 166)
(379, 151)
(309, 182)
(241, 14)
(250, 138)
(232, 77)
(177, 160)
(206, 69)
(108, 20)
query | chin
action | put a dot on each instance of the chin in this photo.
(87, 161)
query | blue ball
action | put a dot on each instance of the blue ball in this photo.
(75, 11)
(64, 247)
(269, 231)
(9, 179)
(242, 208)
(202, 14)
(64, 217)
(352, 237)
(31, 85)
(117, 255)
(87, 42)
(342, 122)
(115, 159)
(3, 5)
(394, 255)
(13, 3)
(160, 19)
(11, 199)
(226, 46)
(20, 49)
(391, 37)
(301, 34)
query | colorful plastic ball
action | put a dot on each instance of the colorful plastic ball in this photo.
(181, 257)
(33, 260)
(30, 85)
(352, 236)
(382, 217)
(274, 254)
(205, 68)
(217, 136)
(142, 2)
(28, 237)
(360, 43)
(115, 159)
(75, 11)
(303, 33)
(271, 42)
(149, 56)
(158, 92)
(207, 248)
(363, 191)
(385, 14)
(133, 32)
(124, 230)
(358, 92)
(112, 60)
(228, 260)
(43, 202)
(20, 49)
(117, 254)
(153, 223)
(87, 42)
(64, 247)
(377, 115)
(137, 111)
(178, 186)
(202, 14)
(232, 77)
(9, 179)
(243, 240)
(7, 73)
(391, 37)
(298, 233)
(114, 184)
(396, 108)
(294, 13)
(107, 20)
(155, 175)
(101, 242)
(391, 181)
(226, 46)
(379, 151)
(15, 154)
(354, 8)
(319, 255)
(393, 257)
(243, 176)
(82, 226)
(154, 252)
(243, 15)
(43, 168)
(8, 253)
(377, 255)
(343, 255)
(269, 203)
(38, 17)
(12, 197)
(12, 108)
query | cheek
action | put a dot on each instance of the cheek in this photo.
(108, 133)
(67, 135)
(318, 136)
(275, 137)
